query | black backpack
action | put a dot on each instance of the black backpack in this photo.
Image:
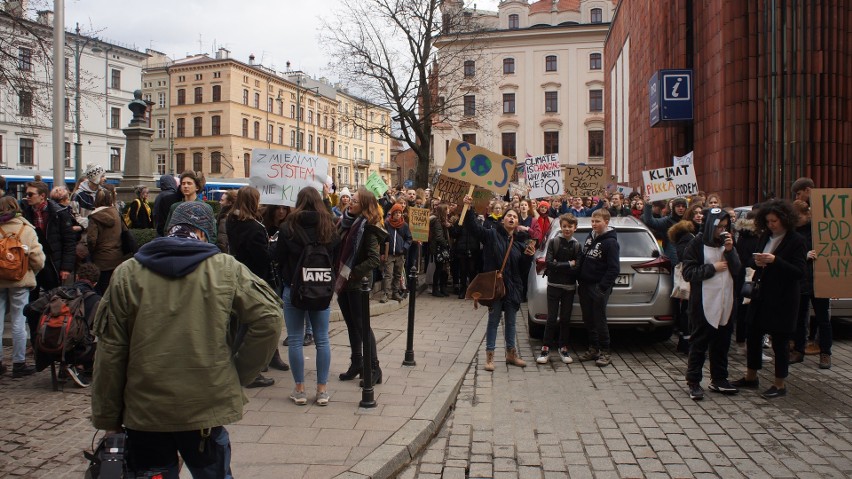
(312, 286)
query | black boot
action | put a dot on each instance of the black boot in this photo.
(261, 381)
(353, 372)
(20, 370)
(377, 376)
(278, 363)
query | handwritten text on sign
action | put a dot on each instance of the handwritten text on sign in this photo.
(671, 182)
(831, 227)
(450, 190)
(279, 175)
(544, 176)
(585, 180)
(478, 166)
(418, 221)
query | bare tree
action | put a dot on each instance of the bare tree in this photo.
(385, 50)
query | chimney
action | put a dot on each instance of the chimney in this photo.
(17, 8)
(45, 17)
(222, 54)
(251, 59)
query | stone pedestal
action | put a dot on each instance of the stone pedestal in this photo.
(138, 164)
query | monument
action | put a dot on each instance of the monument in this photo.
(139, 166)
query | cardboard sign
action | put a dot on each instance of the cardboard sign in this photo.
(376, 185)
(478, 166)
(480, 200)
(418, 222)
(280, 175)
(831, 227)
(544, 176)
(585, 180)
(683, 160)
(451, 190)
(671, 182)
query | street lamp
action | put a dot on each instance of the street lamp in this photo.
(78, 141)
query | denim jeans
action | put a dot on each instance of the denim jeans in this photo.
(18, 298)
(593, 304)
(295, 320)
(508, 312)
(157, 452)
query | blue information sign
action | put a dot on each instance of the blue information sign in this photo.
(670, 96)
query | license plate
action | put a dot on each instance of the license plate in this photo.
(622, 280)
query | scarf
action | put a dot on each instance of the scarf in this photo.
(396, 224)
(544, 225)
(351, 244)
(40, 216)
(496, 218)
(7, 216)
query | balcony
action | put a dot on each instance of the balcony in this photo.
(362, 163)
(387, 166)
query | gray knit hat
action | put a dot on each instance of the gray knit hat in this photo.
(94, 173)
(197, 215)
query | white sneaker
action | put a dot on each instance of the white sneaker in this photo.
(767, 358)
(566, 357)
(543, 357)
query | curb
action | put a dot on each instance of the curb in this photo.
(404, 445)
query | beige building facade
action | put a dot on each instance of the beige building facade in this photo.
(209, 113)
(533, 83)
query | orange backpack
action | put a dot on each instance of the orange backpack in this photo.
(14, 262)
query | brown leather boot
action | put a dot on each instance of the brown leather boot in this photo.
(513, 358)
(489, 360)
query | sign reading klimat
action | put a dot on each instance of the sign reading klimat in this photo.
(670, 182)
(279, 175)
(831, 227)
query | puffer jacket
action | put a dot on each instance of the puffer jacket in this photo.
(58, 240)
(103, 238)
(165, 361)
(35, 254)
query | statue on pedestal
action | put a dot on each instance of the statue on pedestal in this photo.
(139, 107)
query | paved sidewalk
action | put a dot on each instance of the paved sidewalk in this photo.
(43, 432)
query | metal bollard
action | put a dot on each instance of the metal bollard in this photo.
(409, 341)
(367, 397)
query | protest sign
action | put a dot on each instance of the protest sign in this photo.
(624, 190)
(544, 176)
(585, 180)
(376, 185)
(683, 160)
(831, 227)
(480, 200)
(478, 166)
(418, 223)
(279, 175)
(671, 182)
(611, 185)
(450, 190)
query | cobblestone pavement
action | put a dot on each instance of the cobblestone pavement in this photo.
(634, 419)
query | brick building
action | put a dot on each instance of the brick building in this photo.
(772, 93)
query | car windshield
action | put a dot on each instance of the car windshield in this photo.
(632, 243)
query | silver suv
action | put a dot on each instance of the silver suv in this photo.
(641, 295)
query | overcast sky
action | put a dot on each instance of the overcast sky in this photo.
(276, 31)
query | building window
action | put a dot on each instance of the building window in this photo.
(215, 162)
(280, 135)
(67, 154)
(115, 79)
(245, 127)
(161, 164)
(508, 66)
(469, 105)
(247, 164)
(595, 61)
(25, 103)
(216, 125)
(514, 21)
(245, 97)
(161, 99)
(292, 139)
(196, 126)
(257, 100)
(27, 150)
(469, 68)
(508, 103)
(269, 104)
(115, 158)
(310, 117)
(217, 92)
(198, 77)
(196, 161)
(469, 138)
(508, 140)
(269, 133)
(551, 101)
(596, 139)
(181, 127)
(325, 146)
(181, 78)
(161, 128)
(199, 96)
(181, 96)
(550, 63)
(67, 109)
(310, 142)
(25, 59)
(257, 130)
(551, 142)
(595, 100)
(180, 162)
(332, 147)
(115, 117)
(292, 111)
(597, 15)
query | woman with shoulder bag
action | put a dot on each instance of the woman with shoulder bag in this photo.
(439, 248)
(507, 249)
(310, 222)
(780, 262)
(248, 243)
(361, 234)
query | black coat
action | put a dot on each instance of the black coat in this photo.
(289, 248)
(249, 244)
(495, 242)
(58, 240)
(780, 285)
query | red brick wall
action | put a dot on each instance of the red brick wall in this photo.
(746, 145)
